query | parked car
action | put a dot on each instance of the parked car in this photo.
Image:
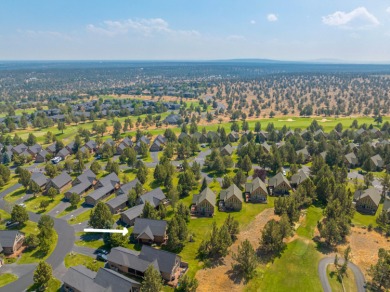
(56, 160)
(101, 257)
(11, 223)
(203, 145)
(22, 205)
(101, 251)
(284, 172)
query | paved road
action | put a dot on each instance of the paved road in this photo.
(85, 251)
(65, 244)
(76, 212)
(18, 270)
(59, 208)
(9, 190)
(359, 277)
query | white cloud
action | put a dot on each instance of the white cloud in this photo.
(144, 27)
(253, 21)
(357, 18)
(388, 10)
(44, 33)
(235, 38)
(272, 17)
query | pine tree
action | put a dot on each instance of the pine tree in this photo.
(42, 275)
(246, 259)
(100, 217)
(152, 280)
(204, 185)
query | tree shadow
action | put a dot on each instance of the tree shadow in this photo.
(323, 247)
(89, 237)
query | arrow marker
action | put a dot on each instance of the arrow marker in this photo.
(124, 231)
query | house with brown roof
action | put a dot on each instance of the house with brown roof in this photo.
(256, 191)
(231, 199)
(203, 204)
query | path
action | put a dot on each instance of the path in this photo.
(64, 246)
(359, 277)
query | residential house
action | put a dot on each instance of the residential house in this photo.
(256, 191)
(263, 136)
(128, 217)
(182, 136)
(155, 198)
(40, 179)
(41, 156)
(377, 162)
(19, 149)
(305, 154)
(81, 279)
(323, 154)
(156, 146)
(34, 150)
(60, 182)
(288, 134)
(92, 146)
(201, 138)
(103, 188)
(233, 136)
(279, 184)
(125, 188)
(109, 142)
(11, 241)
(52, 148)
(172, 119)
(135, 263)
(161, 139)
(150, 231)
(117, 204)
(82, 184)
(319, 134)
(70, 147)
(227, 150)
(120, 148)
(351, 160)
(266, 147)
(203, 203)
(63, 153)
(231, 199)
(127, 141)
(298, 178)
(212, 136)
(367, 201)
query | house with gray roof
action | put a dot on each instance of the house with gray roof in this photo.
(150, 231)
(233, 136)
(279, 184)
(377, 162)
(227, 150)
(34, 150)
(103, 188)
(203, 204)
(40, 179)
(351, 160)
(156, 146)
(81, 279)
(367, 201)
(305, 154)
(231, 199)
(19, 149)
(11, 241)
(266, 147)
(128, 217)
(298, 178)
(117, 204)
(256, 191)
(127, 187)
(63, 153)
(41, 156)
(201, 138)
(82, 183)
(60, 182)
(135, 263)
(155, 198)
(51, 148)
(172, 119)
(91, 145)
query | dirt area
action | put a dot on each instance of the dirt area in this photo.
(364, 247)
(217, 279)
(324, 120)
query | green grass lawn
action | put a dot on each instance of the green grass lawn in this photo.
(33, 204)
(7, 278)
(200, 228)
(335, 283)
(92, 240)
(12, 181)
(313, 215)
(15, 195)
(70, 209)
(34, 256)
(54, 285)
(75, 259)
(80, 218)
(295, 270)
(360, 219)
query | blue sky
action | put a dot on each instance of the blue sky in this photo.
(354, 30)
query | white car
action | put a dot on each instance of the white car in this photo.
(284, 172)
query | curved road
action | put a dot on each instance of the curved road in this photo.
(64, 246)
(359, 277)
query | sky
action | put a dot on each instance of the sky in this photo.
(349, 30)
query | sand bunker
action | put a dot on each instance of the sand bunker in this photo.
(288, 120)
(324, 120)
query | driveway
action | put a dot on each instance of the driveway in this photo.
(85, 251)
(59, 208)
(359, 277)
(10, 190)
